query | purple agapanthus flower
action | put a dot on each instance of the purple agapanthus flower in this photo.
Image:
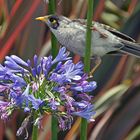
(5, 109)
(67, 73)
(54, 86)
(62, 55)
(53, 104)
(86, 113)
(84, 86)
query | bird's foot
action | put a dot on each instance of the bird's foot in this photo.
(97, 61)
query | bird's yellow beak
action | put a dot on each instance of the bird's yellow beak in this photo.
(44, 18)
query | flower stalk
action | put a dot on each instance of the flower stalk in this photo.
(54, 127)
(83, 132)
(52, 8)
(54, 50)
(35, 130)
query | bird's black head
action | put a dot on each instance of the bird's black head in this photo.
(51, 20)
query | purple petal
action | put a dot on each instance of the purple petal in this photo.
(19, 60)
(61, 56)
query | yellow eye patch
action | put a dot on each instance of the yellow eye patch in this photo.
(54, 21)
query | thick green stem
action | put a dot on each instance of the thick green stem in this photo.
(83, 133)
(54, 50)
(35, 130)
(54, 128)
(88, 37)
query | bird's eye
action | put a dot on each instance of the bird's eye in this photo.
(52, 20)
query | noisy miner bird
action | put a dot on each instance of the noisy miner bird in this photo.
(105, 40)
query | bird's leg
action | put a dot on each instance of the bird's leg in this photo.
(97, 61)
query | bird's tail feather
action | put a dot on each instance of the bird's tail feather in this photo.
(131, 48)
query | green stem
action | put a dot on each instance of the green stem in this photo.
(52, 8)
(83, 133)
(88, 36)
(35, 130)
(54, 128)
(54, 50)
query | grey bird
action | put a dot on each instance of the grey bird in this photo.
(105, 40)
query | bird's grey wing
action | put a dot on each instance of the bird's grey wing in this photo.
(131, 48)
(116, 32)
(130, 45)
(108, 28)
(80, 21)
(83, 22)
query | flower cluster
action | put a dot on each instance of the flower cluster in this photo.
(53, 86)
